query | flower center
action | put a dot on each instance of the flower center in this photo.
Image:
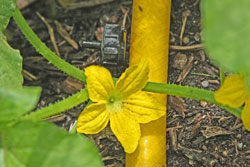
(114, 104)
(111, 100)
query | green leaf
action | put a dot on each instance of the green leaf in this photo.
(43, 144)
(7, 8)
(226, 30)
(10, 64)
(1, 155)
(14, 102)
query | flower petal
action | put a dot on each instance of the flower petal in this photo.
(99, 83)
(233, 91)
(245, 115)
(93, 119)
(134, 78)
(126, 129)
(144, 107)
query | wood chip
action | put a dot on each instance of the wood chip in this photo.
(194, 119)
(180, 136)
(173, 138)
(209, 70)
(72, 85)
(223, 119)
(91, 60)
(203, 56)
(237, 124)
(65, 35)
(186, 70)
(195, 130)
(21, 4)
(177, 103)
(215, 131)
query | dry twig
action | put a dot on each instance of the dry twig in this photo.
(85, 4)
(65, 35)
(184, 18)
(192, 47)
(51, 33)
(186, 70)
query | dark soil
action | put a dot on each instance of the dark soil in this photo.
(198, 133)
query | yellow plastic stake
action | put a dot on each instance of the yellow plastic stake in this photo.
(150, 37)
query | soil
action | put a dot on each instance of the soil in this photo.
(198, 133)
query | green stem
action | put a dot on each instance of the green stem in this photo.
(73, 130)
(58, 107)
(45, 51)
(189, 92)
(174, 90)
(222, 75)
(201, 74)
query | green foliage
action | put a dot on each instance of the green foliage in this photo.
(15, 102)
(32, 144)
(226, 33)
(7, 8)
(10, 65)
(189, 92)
(29, 144)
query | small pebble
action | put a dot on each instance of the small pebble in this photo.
(204, 84)
(240, 145)
(42, 103)
(172, 40)
(216, 155)
(224, 153)
(213, 81)
(213, 162)
(191, 162)
(172, 53)
(185, 40)
(180, 61)
(108, 19)
(203, 56)
(113, 19)
(204, 148)
(197, 37)
(203, 103)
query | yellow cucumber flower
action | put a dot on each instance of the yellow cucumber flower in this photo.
(124, 104)
(234, 93)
